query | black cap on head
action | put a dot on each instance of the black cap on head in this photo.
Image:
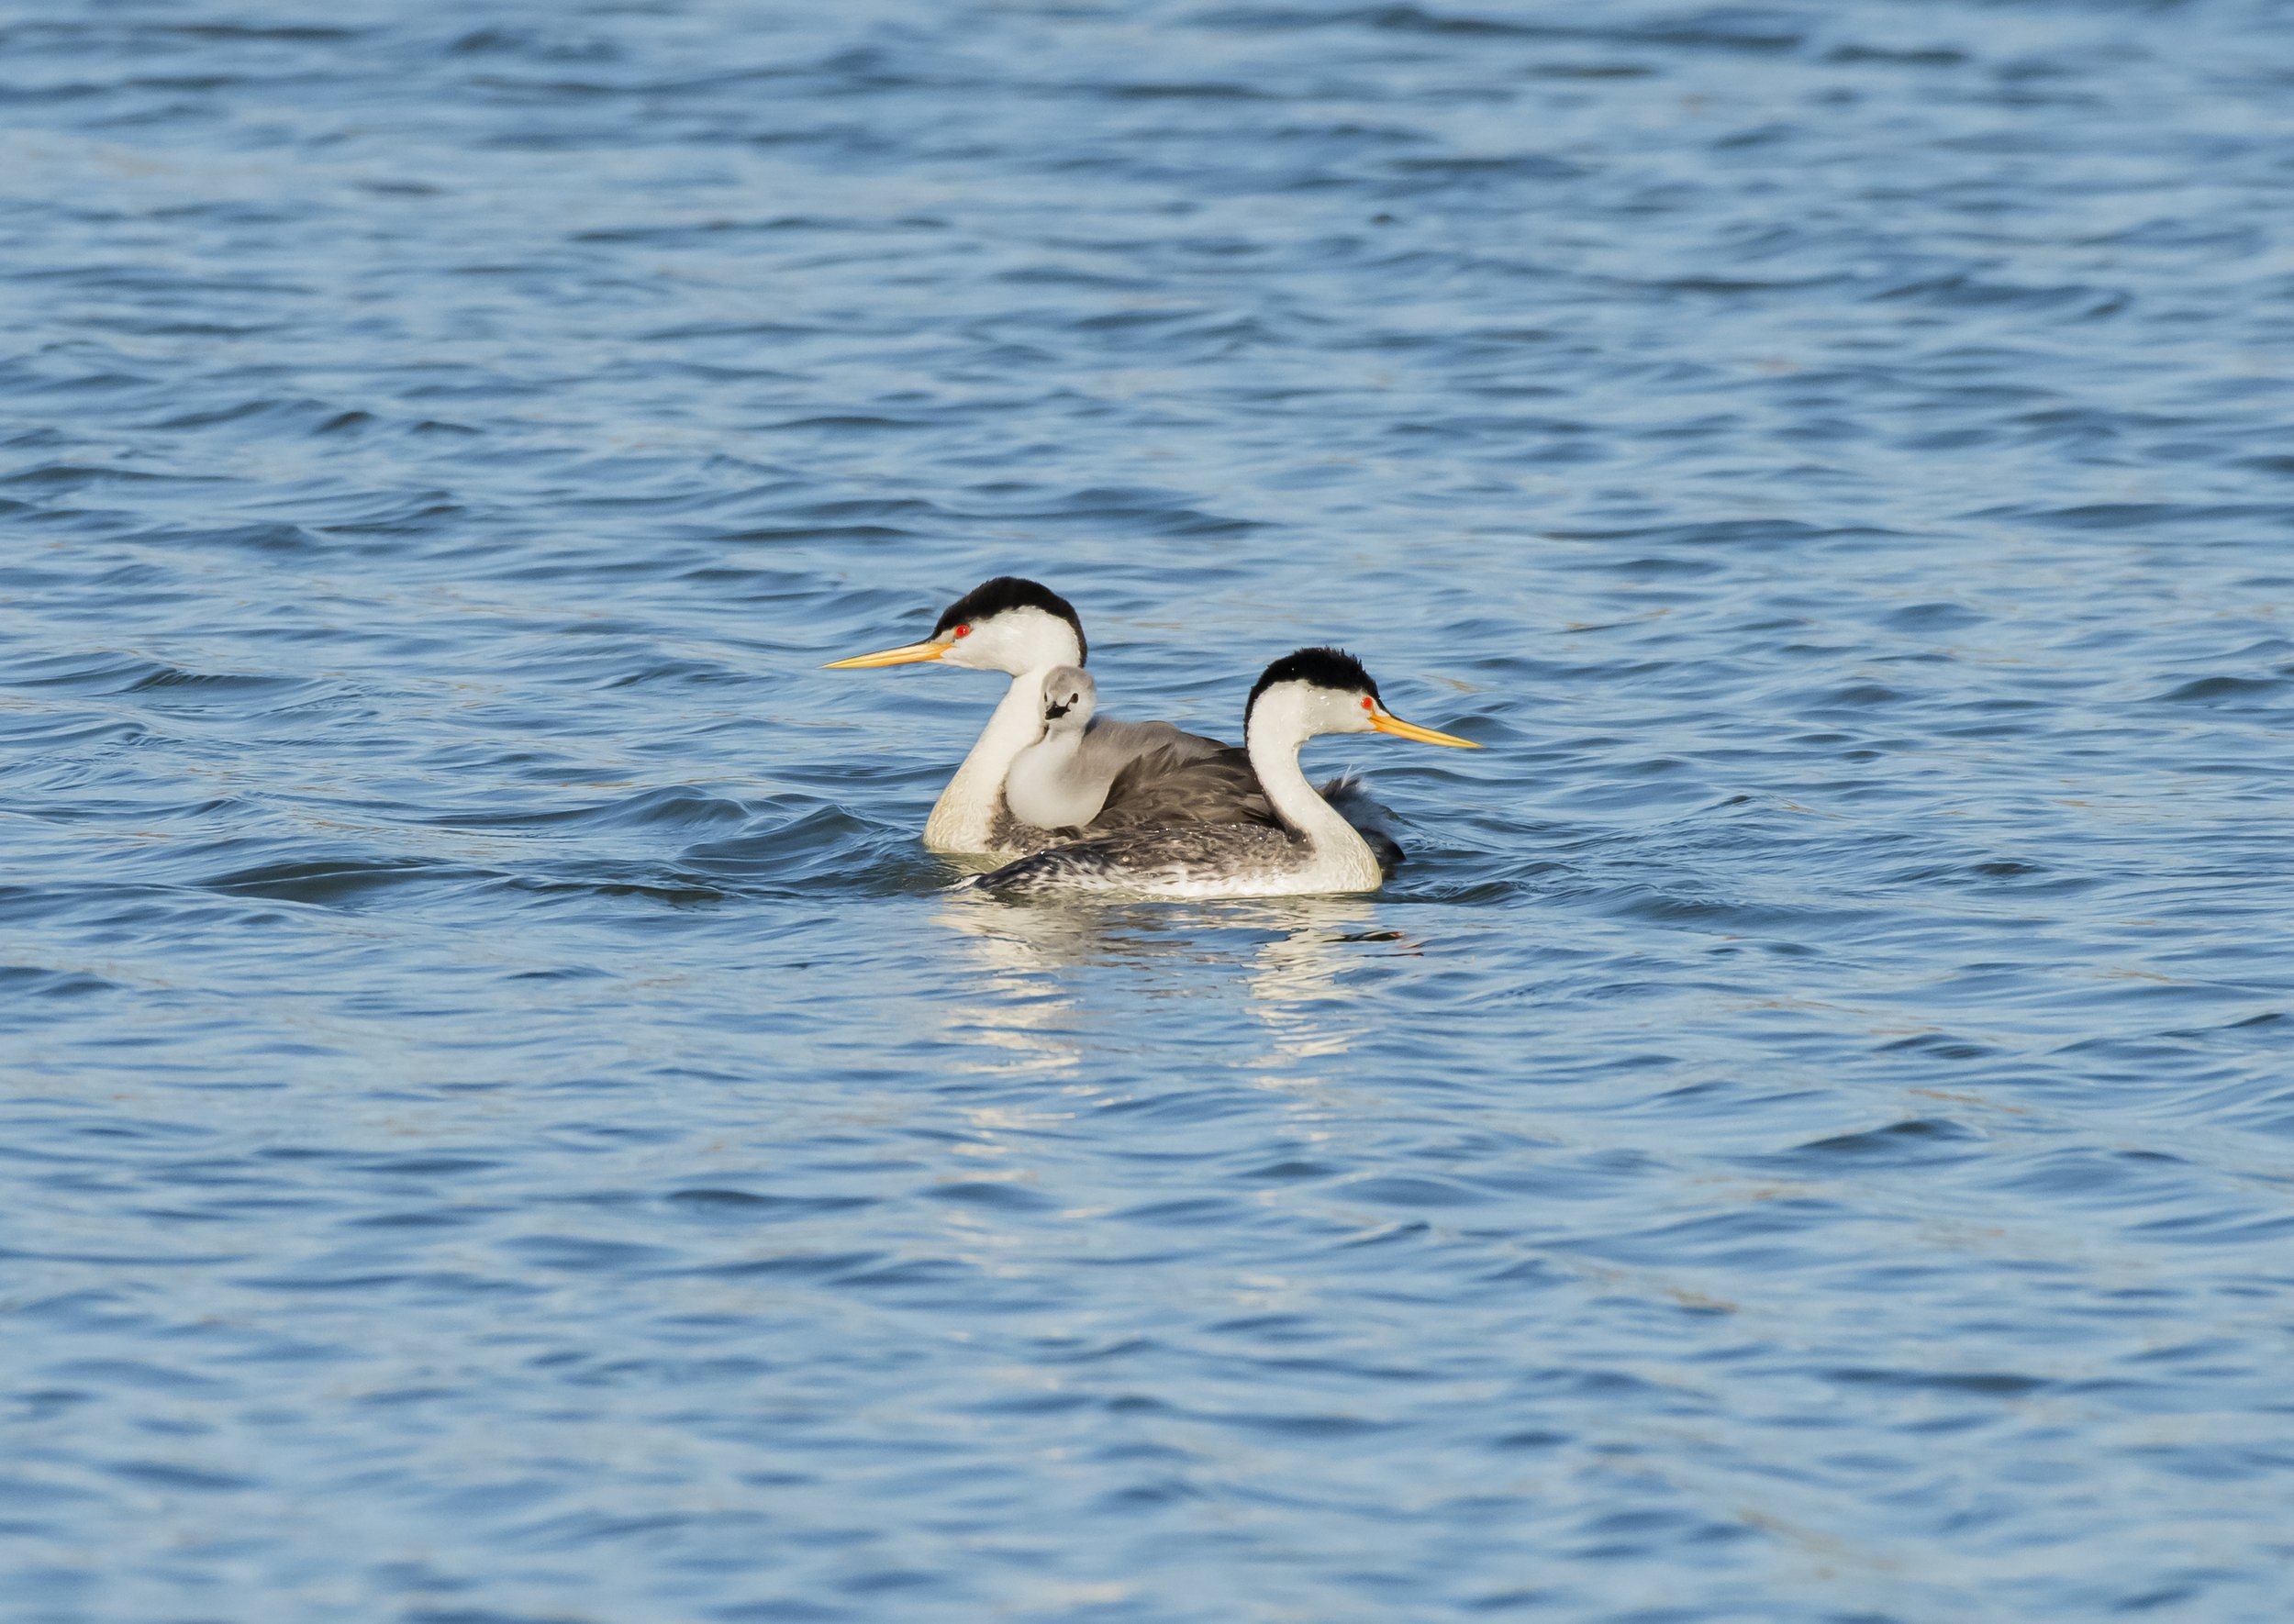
(1009, 592)
(1325, 668)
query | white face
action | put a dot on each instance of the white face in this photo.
(1016, 641)
(1069, 697)
(1301, 710)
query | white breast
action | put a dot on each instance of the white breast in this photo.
(1050, 788)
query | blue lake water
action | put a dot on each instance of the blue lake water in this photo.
(502, 1121)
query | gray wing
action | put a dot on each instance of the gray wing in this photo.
(1110, 746)
(1218, 786)
(1175, 784)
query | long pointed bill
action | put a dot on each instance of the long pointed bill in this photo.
(906, 654)
(1386, 721)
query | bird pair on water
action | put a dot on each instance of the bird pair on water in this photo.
(1076, 802)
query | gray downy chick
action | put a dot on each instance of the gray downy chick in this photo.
(1058, 782)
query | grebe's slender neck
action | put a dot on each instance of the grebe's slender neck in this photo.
(1278, 726)
(1027, 644)
(965, 817)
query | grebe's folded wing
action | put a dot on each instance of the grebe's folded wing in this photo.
(1220, 785)
(1179, 782)
(1111, 745)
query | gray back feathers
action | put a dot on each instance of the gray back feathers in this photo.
(1220, 785)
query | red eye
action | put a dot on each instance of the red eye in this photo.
(963, 631)
(1369, 704)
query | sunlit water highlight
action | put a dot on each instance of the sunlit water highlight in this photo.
(502, 1121)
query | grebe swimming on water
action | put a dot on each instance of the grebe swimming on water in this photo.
(1158, 773)
(1312, 850)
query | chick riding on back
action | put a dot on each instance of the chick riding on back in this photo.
(1052, 784)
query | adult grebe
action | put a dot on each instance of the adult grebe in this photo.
(1160, 773)
(1027, 630)
(1313, 851)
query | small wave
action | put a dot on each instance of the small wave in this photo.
(673, 807)
(338, 883)
(2220, 690)
(33, 981)
(119, 672)
(1917, 1140)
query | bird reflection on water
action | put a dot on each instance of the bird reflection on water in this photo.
(1043, 972)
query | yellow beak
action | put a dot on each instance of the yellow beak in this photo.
(906, 654)
(1386, 721)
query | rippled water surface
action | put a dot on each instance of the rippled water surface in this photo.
(503, 1121)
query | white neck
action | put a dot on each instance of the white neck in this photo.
(1277, 729)
(1039, 790)
(964, 818)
